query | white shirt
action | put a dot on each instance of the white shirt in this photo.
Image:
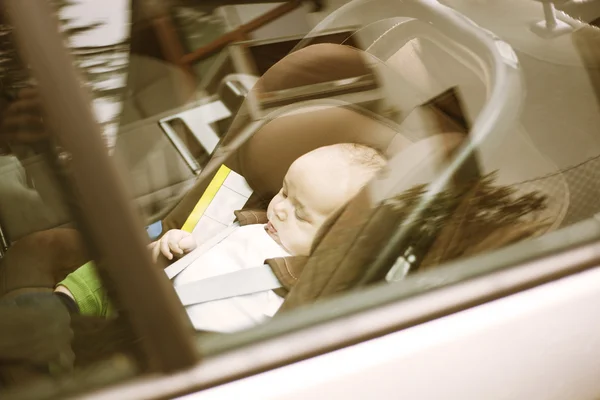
(247, 246)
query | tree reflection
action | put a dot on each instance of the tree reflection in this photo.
(103, 66)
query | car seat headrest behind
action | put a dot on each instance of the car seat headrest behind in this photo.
(265, 158)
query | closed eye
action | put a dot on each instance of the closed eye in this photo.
(300, 217)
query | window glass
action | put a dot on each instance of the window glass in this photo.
(421, 95)
(253, 141)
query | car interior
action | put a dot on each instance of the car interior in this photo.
(487, 113)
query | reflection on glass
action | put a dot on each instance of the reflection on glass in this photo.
(264, 179)
(415, 95)
(198, 28)
(42, 332)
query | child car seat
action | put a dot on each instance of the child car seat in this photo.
(265, 157)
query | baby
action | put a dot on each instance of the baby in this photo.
(316, 185)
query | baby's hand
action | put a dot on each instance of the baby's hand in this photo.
(175, 241)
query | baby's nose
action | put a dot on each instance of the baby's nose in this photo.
(280, 211)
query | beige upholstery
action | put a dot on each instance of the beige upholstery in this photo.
(420, 163)
(562, 75)
(519, 161)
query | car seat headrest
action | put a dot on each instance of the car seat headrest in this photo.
(264, 159)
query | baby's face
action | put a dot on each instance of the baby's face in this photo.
(316, 186)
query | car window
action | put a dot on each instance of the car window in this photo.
(486, 125)
(422, 99)
(437, 202)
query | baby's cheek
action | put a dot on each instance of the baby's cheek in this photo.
(290, 240)
(304, 243)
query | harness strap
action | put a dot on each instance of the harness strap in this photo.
(175, 269)
(233, 284)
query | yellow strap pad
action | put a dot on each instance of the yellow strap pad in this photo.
(206, 198)
(228, 191)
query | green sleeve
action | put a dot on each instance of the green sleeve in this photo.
(86, 287)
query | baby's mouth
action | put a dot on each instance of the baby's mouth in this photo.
(270, 228)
